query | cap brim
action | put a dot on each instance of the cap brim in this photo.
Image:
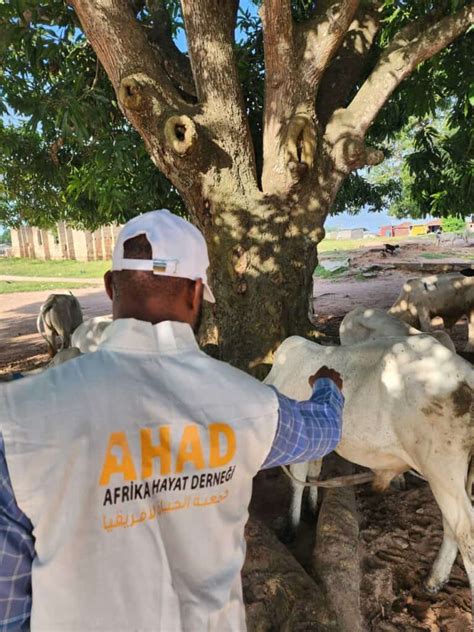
(208, 295)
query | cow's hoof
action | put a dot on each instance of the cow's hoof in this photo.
(399, 483)
(433, 588)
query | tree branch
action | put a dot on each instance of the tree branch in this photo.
(174, 61)
(346, 68)
(114, 34)
(145, 92)
(210, 28)
(320, 38)
(209, 31)
(280, 88)
(414, 44)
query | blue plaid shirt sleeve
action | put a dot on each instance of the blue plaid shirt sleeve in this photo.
(307, 430)
(17, 551)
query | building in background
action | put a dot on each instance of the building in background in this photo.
(419, 229)
(64, 242)
(347, 233)
(387, 231)
(434, 225)
(402, 230)
(408, 228)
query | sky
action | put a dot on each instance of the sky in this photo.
(245, 5)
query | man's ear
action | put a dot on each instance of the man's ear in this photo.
(108, 284)
(198, 294)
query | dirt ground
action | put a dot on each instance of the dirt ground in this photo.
(400, 531)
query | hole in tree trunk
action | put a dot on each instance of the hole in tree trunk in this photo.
(299, 146)
(180, 131)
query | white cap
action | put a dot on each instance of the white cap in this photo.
(178, 248)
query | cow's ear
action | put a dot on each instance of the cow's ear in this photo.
(109, 288)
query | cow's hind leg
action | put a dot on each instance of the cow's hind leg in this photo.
(50, 335)
(444, 561)
(299, 471)
(470, 332)
(425, 319)
(314, 470)
(65, 341)
(455, 504)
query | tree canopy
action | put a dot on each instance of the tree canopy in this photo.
(67, 152)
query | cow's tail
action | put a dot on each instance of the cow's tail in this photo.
(40, 324)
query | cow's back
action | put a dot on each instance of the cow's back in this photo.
(368, 323)
(441, 293)
(390, 386)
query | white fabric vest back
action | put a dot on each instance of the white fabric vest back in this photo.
(135, 466)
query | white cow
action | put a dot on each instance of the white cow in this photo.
(85, 339)
(450, 296)
(370, 323)
(89, 334)
(59, 316)
(451, 238)
(409, 405)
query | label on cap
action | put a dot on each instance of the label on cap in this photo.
(165, 266)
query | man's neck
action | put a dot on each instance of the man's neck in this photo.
(149, 317)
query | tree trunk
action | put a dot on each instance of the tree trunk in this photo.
(262, 278)
(262, 262)
(278, 593)
(336, 557)
(263, 251)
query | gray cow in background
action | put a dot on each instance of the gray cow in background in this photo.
(59, 316)
(449, 296)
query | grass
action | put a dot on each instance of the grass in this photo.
(336, 245)
(12, 287)
(322, 273)
(437, 255)
(65, 268)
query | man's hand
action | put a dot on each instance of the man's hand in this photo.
(324, 371)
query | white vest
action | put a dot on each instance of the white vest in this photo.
(135, 466)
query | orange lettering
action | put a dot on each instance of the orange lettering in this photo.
(194, 454)
(216, 459)
(151, 451)
(111, 463)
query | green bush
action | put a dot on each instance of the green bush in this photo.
(452, 224)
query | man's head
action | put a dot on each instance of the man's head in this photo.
(159, 270)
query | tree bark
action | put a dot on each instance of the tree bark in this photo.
(278, 593)
(280, 90)
(263, 288)
(336, 557)
(345, 71)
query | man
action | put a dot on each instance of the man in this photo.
(132, 466)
